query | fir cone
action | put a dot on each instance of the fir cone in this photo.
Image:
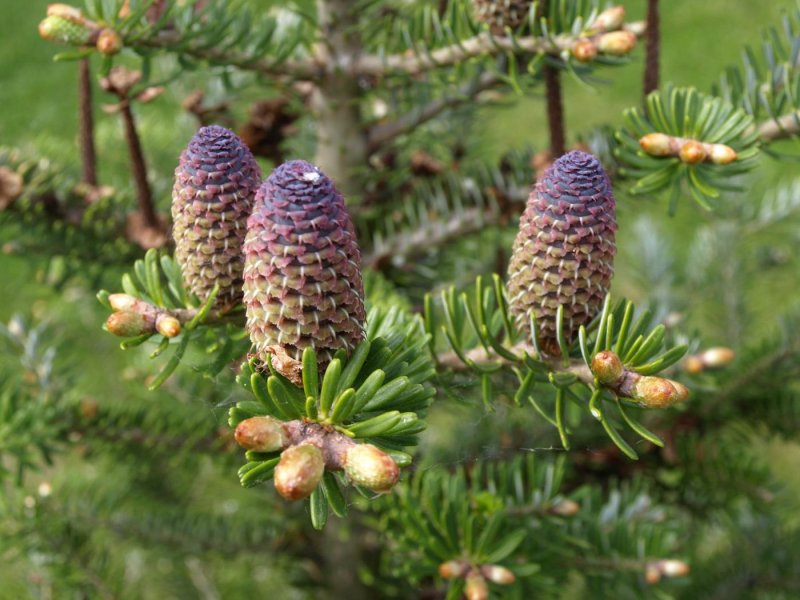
(302, 276)
(213, 194)
(499, 14)
(564, 251)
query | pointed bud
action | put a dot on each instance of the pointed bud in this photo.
(657, 392)
(497, 574)
(565, 508)
(476, 588)
(692, 152)
(122, 301)
(371, 467)
(108, 42)
(452, 569)
(129, 324)
(721, 154)
(616, 43)
(713, 358)
(584, 50)
(610, 19)
(64, 31)
(607, 367)
(261, 434)
(656, 569)
(167, 325)
(299, 471)
(656, 144)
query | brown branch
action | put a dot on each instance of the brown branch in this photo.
(483, 44)
(785, 126)
(144, 194)
(652, 48)
(555, 110)
(384, 132)
(86, 124)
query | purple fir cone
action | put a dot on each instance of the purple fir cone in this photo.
(302, 276)
(215, 182)
(564, 252)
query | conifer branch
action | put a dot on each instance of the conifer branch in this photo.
(86, 124)
(785, 126)
(555, 110)
(652, 48)
(383, 133)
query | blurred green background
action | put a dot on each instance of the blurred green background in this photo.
(38, 115)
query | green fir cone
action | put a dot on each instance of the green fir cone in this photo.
(215, 183)
(502, 14)
(563, 254)
(302, 277)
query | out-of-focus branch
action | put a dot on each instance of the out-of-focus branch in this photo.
(652, 48)
(784, 126)
(86, 124)
(555, 111)
(384, 132)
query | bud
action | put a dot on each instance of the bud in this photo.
(616, 43)
(299, 471)
(167, 325)
(720, 154)
(565, 508)
(694, 364)
(127, 323)
(65, 11)
(610, 19)
(497, 574)
(656, 144)
(122, 301)
(692, 152)
(371, 467)
(452, 569)
(261, 434)
(584, 50)
(656, 569)
(11, 187)
(64, 31)
(109, 42)
(607, 367)
(476, 588)
(716, 357)
(657, 392)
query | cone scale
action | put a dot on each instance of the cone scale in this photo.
(302, 277)
(215, 183)
(564, 251)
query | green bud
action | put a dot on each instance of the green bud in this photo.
(371, 467)
(262, 434)
(299, 471)
(129, 324)
(64, 31)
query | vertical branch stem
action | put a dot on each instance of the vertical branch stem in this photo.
(652, 47)
(86, 124)
(555, 110)
(138, 167)
(341, 136)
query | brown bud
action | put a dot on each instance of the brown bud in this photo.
(497, 574)
(262, 434)
(452, 569)
(476, 588)
(657, 392)
(11, 187)
(607, 367)
(126, 323)
(89, 408)
(694, 364)
(299, 471)
(565, 508)
(692, 152)
(167, 325)
(109, 42)
(721, 154)
(656, 569)
(610, 19)
(122, 301)
(370, 467)
(716, 357)
(616, 43)
(584, 50)
(65, 11)
(656, 144)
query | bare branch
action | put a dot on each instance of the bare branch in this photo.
(784, 126)
(385, 132)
